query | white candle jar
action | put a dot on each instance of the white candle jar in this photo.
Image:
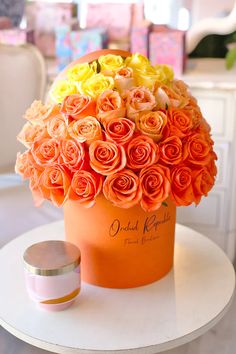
(52, 274)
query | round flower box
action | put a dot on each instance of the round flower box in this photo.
(120, 143)
(121, 248)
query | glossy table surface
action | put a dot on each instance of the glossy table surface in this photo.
(170, 312)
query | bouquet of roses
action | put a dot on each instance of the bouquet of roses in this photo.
(121, 127)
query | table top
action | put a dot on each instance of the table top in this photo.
(184, 304)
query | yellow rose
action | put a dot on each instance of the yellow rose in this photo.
(81, 72)
(146, 77)
(165, 72)
(110, 63)
(96, 84)
(137, 61)
(61, 89)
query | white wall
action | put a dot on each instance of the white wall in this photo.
(209, 8)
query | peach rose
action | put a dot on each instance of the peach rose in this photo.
(124, 73)
(78, 106)
(34, 185)
(119, 130)
(171, 151)
(167, 96)
(139, 99)
(54, 184)
(86, 130)
(106, 157)
(72, 154)
(155, 185)
(180, 88)
(85, 186)
(141, 152)
(122, 189)
(57, 127)
(197, 150)
(181, 186)
(24, 164)
(203, 182)
(29, 134)
(46, 152)
(124, 79)
(151, 124)
(38, 113)
(180, 123)
(109, 105)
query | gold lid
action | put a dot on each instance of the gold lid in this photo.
(51, 258)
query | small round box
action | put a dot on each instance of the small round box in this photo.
(52, 273)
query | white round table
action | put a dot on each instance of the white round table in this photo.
(192, 298)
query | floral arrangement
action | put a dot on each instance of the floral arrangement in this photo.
(121, 127)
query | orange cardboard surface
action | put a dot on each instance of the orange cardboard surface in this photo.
(121, 248)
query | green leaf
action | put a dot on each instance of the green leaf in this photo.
(165, 204)
(230, 58)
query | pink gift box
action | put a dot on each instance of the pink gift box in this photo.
(167, 46)
(45, 18)
(139, 38)
(86, 41)
(16, 36)
(115, 18)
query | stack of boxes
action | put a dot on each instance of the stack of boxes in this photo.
(57, 32)
(161, 44)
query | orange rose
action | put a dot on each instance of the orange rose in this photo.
(122, 189)
(72, 154)
(54, 184)
(110, 105)
(124, 79)
(180, 122)
(181, 186)
(32, 133)
(78, 106)
(141, 152)
(203, 182)
(151, 124)
(197, 150)
(38, 113)
(171, 151)
(106, 157)
(211, 166)
(119, 130)
(203, 127)
(57, 127)
(194, 112)
(139, 99)
(46, 152)
(86, 129)
(155, 185)
(85, 186)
